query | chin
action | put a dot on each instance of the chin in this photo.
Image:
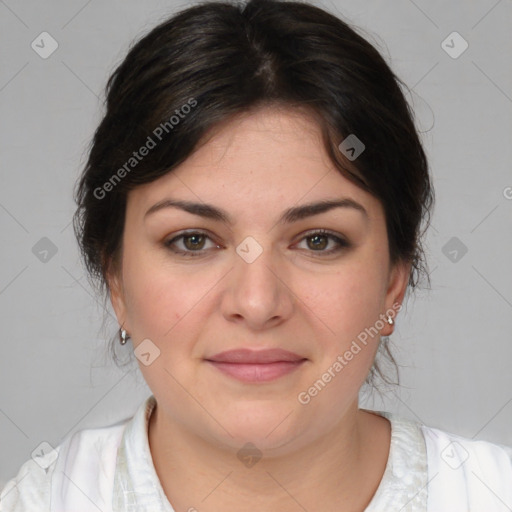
(267, 427)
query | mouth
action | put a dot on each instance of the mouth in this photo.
(256, 366)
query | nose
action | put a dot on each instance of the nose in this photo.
(257, 292)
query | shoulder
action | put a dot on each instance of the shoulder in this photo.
(460, 474)
(29, 489)
(81, 461)
(467, 474)
(457, 450)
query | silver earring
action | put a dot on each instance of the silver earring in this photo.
(390, 320)
(122, 336)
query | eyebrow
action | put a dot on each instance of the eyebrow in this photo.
(290, 215)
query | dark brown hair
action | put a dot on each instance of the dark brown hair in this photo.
(218, 59)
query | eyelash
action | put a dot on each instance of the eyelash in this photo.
(342, 244)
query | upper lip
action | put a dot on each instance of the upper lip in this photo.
(245, 355)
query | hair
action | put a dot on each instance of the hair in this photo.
(215, 60)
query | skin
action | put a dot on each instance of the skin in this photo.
(326, 455)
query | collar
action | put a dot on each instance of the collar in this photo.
(404, 483)
(137, 487)
(403, 486)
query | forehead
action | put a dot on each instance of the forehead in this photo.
(281, 137)
(261, 159)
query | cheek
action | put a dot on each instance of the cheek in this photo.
(345, 308)
(155, 298)
(347, 301)
(163, 300)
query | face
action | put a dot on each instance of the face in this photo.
(191, 286)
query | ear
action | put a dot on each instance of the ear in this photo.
(117, 297)
(397, 286)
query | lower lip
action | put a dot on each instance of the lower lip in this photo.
(258, 372)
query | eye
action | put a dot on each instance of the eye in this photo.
(193, 243)
(319, 240)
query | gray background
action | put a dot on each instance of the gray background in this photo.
(453, 342)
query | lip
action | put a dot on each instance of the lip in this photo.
(245, 355)
(256, 366)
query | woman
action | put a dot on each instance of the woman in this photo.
(253, 205)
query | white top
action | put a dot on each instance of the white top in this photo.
(110, 469)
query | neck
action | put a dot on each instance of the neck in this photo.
(340, 470)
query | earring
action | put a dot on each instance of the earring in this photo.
(390, 320)
(122, 336)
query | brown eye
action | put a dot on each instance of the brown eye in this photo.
(317, 241)
(192, 244)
